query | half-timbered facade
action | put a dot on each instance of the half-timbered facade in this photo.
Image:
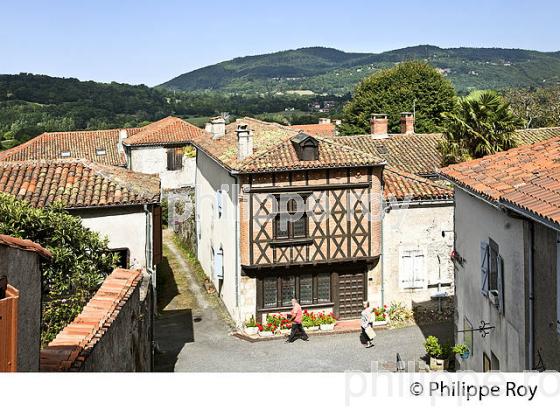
(303, 214)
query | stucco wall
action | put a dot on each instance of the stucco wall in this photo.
(23, 271)
(417, 228)
(476, 221)
(125, 227)
(219, 231)
(153, 160)
(547, 338)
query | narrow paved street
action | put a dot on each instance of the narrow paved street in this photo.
(192, 335)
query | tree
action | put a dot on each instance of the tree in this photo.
(80, 262)
(409, 86)
(482, 124)
(540, 107)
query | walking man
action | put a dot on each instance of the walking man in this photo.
(367, 330)
(296, 316)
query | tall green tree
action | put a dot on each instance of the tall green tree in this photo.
(482, 124)
(412, 85)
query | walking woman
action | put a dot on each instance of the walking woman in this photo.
(367, 329)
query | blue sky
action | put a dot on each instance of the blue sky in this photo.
(142, 41)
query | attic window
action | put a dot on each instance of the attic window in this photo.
(100, 151)
(65, 154)
(382, 149)
(307, 147)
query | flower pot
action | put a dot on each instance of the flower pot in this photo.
(465, 355)
(266, 333)
(379, 323)
(326, 326)
(438, 365)
(312, 328)
(252, 330)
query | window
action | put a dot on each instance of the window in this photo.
(486, 363)
(174, 159)
(100, 152)
(123, 255)
(495, 363)
(306, 147)
(219, 264)
(412, 269)
(492, 274)
(219, 202)
(307, 288)
(288, 223)
(65, 154)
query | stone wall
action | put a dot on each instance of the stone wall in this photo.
(181, 214)
(112, 334)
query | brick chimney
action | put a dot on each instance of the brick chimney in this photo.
(378, 124)
(244, 141)
(407, 123)
(216, 127)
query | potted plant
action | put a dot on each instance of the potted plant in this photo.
(251, 326)
(267, 330)
(439, 354)
(309, 321)
(462, 350)
(326, 321)
(381, 316)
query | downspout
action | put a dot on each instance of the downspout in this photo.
(152, 273)
(531, 294)
(235, 194)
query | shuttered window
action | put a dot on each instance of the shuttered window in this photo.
(174, 159)
(412, 269)
(492, 274)
(308, 289)
(484, 267)
(286, 226)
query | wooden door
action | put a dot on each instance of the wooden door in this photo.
(351, 294)
(8, 330)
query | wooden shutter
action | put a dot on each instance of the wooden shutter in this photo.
(219, 264)
(170, 159)
(484, 267)
(9, 330)
(418, 270)
(500, 284)
(407, 267)
(156, 236)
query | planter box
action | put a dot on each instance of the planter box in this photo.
(327, 327)
(438, 365)
(251, 330)
(285, 331)
(266, 334)
(311, 328)
(380, 323)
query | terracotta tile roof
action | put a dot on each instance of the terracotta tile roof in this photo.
(527, 177)
(401, 185)
(419, 154)
(77, 183)
(170, 130)
(80, 144)
(322, 130)
(273, 150)
(71, 347)
(24, 244)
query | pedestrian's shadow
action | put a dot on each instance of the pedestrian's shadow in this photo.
(173, 330)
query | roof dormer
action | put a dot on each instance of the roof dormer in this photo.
(307, 147)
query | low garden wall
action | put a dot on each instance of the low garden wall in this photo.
(112, 334)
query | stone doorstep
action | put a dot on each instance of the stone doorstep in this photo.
(340, 328)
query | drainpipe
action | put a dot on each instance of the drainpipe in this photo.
(235, 195)
(531, 294)
(151, 271)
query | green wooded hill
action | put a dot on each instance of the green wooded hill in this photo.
(329, 71)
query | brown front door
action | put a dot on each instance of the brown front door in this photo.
(351, 294)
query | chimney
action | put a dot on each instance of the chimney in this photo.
(378, 124)
(122, 136)
(407, 123)
(324, 120)
(244, 141)
(216, 127)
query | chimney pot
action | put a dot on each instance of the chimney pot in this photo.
(379, 124)
(244, 141)
(407, 123)
(216, 127)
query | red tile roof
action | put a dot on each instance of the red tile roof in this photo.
(274, 151)
(168, 131)
(322, 130)
(80, 144)
(401, 185)
(77, 183)
(527, 177)
(24, 244)
(71, 347)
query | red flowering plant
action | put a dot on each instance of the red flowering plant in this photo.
(268, 327)
(326, 318)
(310, 319)
(275, 320)
(381, 313)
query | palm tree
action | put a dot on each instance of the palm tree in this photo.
(482, 124)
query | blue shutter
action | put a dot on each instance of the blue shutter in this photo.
(484, 267)
(500, 284)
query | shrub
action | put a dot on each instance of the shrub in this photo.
(81, 259)
(435, 349)
(399, 315)
(380, 313)
(251, 322)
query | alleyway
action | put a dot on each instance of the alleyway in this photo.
(193, 336)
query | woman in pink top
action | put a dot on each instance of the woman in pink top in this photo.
(297, 329)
